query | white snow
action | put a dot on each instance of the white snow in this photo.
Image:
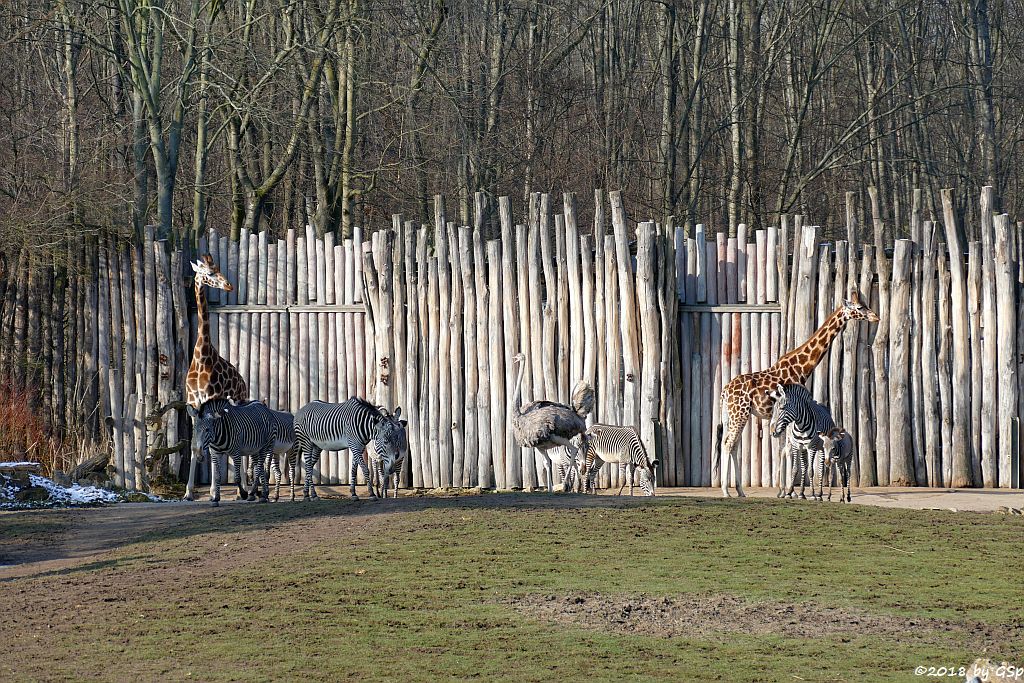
(75, 493)
(12, 465)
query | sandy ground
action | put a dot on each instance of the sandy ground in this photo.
(74, 535)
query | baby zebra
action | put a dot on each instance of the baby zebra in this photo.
(234, 431)
(382, 468)
(807, 420)
(838, 446)
(321, 426)
(622, 445)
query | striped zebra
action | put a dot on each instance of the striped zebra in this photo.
(806, 420)
(321, 426)
(622, 445)
(382, 468)
(838, 455)
(234, 431)
(284, 444)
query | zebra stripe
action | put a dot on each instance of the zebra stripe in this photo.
(622, 445)
(393, 433)
(234, 431)
(321, 426)
(806, 420)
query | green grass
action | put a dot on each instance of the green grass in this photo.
(420, 595)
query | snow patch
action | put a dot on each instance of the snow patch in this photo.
(61, 496)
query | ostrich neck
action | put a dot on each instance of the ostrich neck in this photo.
(517, 395)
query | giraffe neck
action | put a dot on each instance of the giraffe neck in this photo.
(204, 349)
(797, 365)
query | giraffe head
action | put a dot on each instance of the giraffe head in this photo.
(853, 309)
(208, 274)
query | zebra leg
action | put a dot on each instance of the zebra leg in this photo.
(259, 477)
(358, 463)
(310, 456)
(570, 456)
(844, 473)
(803, 473)
(291, 465)
(622, 477)
(593, 467)
(275, 467)
(794, 469)
(214, 479)
(236, 461)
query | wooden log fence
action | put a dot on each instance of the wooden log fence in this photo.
(429, 318)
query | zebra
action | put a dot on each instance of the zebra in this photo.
(235, 431)
(381, 468)
(323, 426)
(838, 454)
(284, 443)
(807, 420)
(622, 445)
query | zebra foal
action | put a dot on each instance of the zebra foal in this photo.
(622, 445)
(234, 431)
(806, 420)
(838, 445)
(321, 426)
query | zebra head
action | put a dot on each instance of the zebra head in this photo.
(853, 309)
(208, 274)
(389, 440)
(648, 477)
(782, 413)
(209, 424)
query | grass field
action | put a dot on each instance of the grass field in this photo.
(521, 588)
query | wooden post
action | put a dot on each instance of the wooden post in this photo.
(510, 326)
(628, 322)
(824, 306)
(574, 281)
(423, 425)
(445, 390)
(713, 368)
(945, 342)
(916, 352)
(835, 364)
(484, 469)
(648, 302)
(562, 313)
(961, 473)
(497, 367)
(457, 425)
(549, 363)
(433, 422)
(466, 268)
(866, 437)
(901, 448)
(115, 370)
(879, 352)
(975, 269)
(1006, 302)
(929, 369)
(613, 413)
(990, 445)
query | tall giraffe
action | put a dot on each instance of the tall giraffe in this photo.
(210, 376)
(750, 393)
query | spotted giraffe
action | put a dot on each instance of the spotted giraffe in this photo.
(751, 393)
(209, 375)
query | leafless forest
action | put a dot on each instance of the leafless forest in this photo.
(271, 115)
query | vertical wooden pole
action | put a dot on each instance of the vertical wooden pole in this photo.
(945, 342)
(961, 473)
(650, 395)
(484, 471)
(628, 321)
(497, 368)
(562, 314)
(901, 453)
(549, 362)
(1006, 303)
(514, 478)
(879, 354)
(613, 340)
(472, 375)
(434, 422)
(712, 369)
(866, 428)
(458, 383)
(929, 369)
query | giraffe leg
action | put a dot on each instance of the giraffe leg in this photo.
(191, 486)
(732, 426)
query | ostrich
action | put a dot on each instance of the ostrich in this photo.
(545, 424)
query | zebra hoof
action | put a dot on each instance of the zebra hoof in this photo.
(214, 504)
(353, 497)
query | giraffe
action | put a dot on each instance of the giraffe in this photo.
(751, 393)
(210, 376)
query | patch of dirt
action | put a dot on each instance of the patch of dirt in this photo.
(707, 615)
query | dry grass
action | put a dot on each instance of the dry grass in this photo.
(25, 436)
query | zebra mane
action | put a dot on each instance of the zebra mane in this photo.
(363, 403)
